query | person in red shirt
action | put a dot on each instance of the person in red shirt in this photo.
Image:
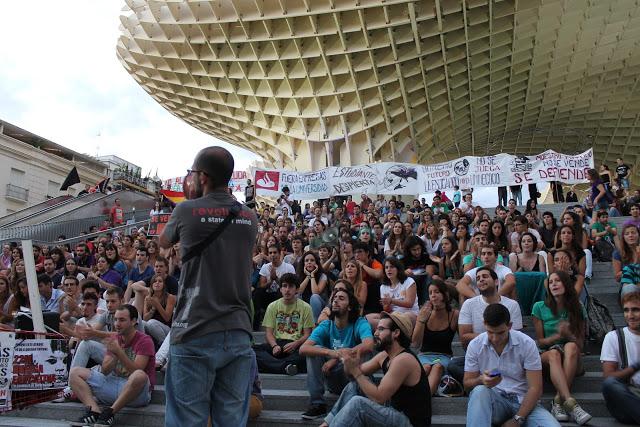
(117, 214)
(350, 205)
(127, 376)
(358, 218)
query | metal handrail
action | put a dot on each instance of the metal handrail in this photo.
(83, 237)
(40, 212)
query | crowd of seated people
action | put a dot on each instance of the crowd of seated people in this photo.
(344, 289)
(438, 267)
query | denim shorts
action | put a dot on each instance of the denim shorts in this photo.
(107, 388)
(433, 358)
(624, 183)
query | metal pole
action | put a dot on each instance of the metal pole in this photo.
(32, 283)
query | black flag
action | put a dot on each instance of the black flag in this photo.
(102, 185)
(72, 178)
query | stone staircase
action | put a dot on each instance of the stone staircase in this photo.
(286, 397)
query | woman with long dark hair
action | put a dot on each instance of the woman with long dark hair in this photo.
(115, 263)
(433, 334)
(398, 292)
(548, 229)
(528, 259)
(532, 208)
(395, 242)
(313, 287)
(19, 298)
(463, 238)
(560, 322)
(5, 294)
(567, 240)
(71, 269)
(58, 258)
(498, 236)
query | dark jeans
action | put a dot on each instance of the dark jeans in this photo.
(622, 403)
(261, 299)
(270, 364)
(335, 380)
(502, 196)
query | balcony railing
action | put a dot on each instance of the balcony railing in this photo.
(17, 193)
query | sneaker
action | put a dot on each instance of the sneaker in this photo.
(315, 411)
(106, 418)
(89, 418)
(580, 416)
(66, 395)
(291, 369)
(557, 410)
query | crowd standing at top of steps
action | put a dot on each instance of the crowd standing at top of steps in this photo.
(343, 289)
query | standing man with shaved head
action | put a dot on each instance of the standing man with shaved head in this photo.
(210, 355)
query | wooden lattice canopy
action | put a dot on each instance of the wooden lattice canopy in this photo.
(311, 83)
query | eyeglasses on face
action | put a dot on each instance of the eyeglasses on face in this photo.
(190, 171)
(382, 328)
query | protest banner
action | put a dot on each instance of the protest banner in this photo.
(412, 179)
(7, 343)
(349, 179)
(302, 185)
(40, 364)
(157, 224)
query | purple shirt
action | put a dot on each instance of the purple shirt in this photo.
(112, 277)
(632, 221)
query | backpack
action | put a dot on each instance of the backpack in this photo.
(603, 250)
(599, 321)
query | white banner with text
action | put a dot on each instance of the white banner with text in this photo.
(413, 179)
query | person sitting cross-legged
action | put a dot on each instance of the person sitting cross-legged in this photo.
(288, 322)
(621, 385)
(127, 374)
(402, 399)
(344, 331)
(503, 371)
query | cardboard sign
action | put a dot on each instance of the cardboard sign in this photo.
(157, 224)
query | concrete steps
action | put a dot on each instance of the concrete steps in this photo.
(286, 397)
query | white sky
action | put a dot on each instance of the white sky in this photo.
(60, 79)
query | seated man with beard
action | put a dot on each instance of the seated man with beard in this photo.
(345, 331)
(402, 399)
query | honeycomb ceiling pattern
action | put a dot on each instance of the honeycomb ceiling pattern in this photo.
(311, 83)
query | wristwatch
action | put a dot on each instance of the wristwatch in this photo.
(520, 420)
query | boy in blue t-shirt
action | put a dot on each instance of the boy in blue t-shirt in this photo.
(345, 331)
(457, 196)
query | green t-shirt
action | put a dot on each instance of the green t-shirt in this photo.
(469, 257)
(288, 321)
(549, 320)
(599, 228)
